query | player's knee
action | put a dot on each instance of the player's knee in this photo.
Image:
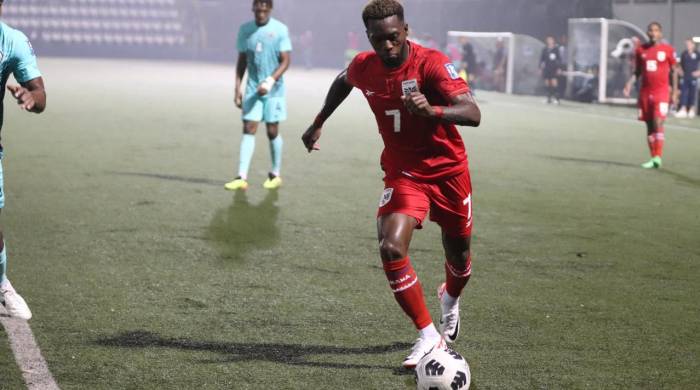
(391, 251)
(250, 128)
(458, 258)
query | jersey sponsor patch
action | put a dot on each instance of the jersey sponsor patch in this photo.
(452, 71)
(652, 66)
(386, 197)
(259, 47)
(408, 86)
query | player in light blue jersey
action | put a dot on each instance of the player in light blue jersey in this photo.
(16, 58)
(264, 51)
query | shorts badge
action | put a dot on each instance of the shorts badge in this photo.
(386, 197)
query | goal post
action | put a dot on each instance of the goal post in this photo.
(601, 56)
(505, 62)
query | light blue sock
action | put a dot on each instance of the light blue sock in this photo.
(276, 154)
(3, 264)
(246, 155)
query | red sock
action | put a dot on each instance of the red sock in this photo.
(408, 291)
(456, 278)
(651, 141)
(659, 144)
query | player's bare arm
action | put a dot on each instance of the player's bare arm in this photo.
(241, 66)
(340, 89)
(674, 87)
(265, 87)
(31, 95)
(464, 111)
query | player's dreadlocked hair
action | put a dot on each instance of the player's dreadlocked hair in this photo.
(268, 2)
(381, 9)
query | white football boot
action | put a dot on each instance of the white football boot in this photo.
(14, 303)
(682, 113)
(421, 348)
(449, 321)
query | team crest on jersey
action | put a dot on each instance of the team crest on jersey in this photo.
(386, 197)
(408, 86)
(661, 56)
(452, 71)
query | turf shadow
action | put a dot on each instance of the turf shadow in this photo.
(161, 176)
(290, 354)
(591, 161)
(243, 227)
(681, 178)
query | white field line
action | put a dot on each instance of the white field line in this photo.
(34, 369)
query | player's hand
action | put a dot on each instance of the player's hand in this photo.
(266, 86)
(675, 98)
(238, 99)
(25, 99)
(416, 103)
(627, 91)
(310, 138)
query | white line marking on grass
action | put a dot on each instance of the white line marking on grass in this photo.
(34, 369)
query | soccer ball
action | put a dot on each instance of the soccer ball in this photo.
(443, 369)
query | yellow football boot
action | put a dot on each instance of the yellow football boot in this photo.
(273, 182)
(236, 184)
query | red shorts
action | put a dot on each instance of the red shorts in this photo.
(449, 201)
(653, 105)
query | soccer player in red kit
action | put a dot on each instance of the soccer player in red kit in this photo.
(655, 65)
(417, 98)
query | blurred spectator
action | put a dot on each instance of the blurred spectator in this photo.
(500, 65)
(468, 60)
(690, 71)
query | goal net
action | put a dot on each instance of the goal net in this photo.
(503, 62)
(601, 59)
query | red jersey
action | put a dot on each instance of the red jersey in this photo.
(654, 63)
(414, 146)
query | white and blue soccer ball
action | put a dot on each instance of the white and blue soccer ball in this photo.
(443, 369)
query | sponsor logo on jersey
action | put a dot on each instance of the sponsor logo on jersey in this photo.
(452, 71)
(409, 86)
(652, 66)
(259, 47)
(386, 197)
(369, 93)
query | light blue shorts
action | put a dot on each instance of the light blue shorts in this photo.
(264, 109)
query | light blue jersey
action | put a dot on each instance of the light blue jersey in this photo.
(262, 46)
(16, 58)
